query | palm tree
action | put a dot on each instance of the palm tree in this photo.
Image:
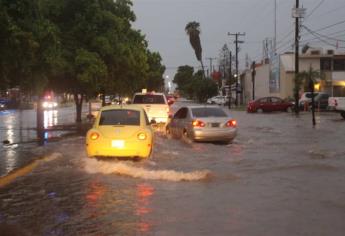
(193, 31)
(309, 78)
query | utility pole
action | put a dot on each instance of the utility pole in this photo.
(236, 62)
(297, 13)
(275, 28)
(211, 60)
(253, 78)
(296, 58)
(230, 76)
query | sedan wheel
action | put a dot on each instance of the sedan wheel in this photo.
(343, 114)
(259, 110)
(185, 137)
(168, 133)
(289, 109)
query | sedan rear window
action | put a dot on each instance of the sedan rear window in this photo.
(149, 99)
(120, 117)
(208, 112)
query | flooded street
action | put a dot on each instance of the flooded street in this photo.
(18, 128)
(280, 176)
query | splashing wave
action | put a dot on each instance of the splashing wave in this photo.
(128, 169)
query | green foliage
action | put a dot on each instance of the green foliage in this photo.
(194, 85)
(305, 77)
(76, 46)
(183, 77)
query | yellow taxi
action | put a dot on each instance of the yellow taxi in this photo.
(120, 131)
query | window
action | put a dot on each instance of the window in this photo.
(149, 99)
(339, 64)
(181, 114)
(208, 112)
(276, 100)
(120, 117)
(262, 100)
(308, 95)
(325, 63)
(146, 118)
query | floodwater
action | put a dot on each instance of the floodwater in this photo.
(280, 176)
(18, 129)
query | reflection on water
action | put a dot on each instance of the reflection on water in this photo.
(144, 195)
(50, 118)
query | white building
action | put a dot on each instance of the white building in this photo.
(276, 78)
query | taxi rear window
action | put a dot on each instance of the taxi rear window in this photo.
(120, 117)
(148, 99)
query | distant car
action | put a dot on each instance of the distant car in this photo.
(269, 104)
(49, 104)
(202, 123)
(219, 100)
(120, 131)
(171, 99)
(155, 105)
(2, 106)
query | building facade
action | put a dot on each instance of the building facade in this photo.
(277, 78)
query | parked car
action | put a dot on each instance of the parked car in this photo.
(202, 123)
(337, 104)
(269, 104)
(120, 131)
(319, 97)
(219, 100)
(155, 105)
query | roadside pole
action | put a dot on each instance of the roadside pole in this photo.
(40, 122)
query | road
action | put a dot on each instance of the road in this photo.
(280, 176)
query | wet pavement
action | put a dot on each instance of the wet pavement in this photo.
(280, 176)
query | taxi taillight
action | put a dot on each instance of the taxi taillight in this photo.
(198, 123)
(94, 136)
(231, 123)
(142, 136)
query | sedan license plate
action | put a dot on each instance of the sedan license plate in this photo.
(214, 124)
(118, 143)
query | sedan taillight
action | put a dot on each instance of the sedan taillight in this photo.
(231, 123)
(198, 123)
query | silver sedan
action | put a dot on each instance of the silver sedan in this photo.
(202, 123)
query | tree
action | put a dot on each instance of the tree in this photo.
(183, 78)
(193, 31)
(309, 78)
(155, 80)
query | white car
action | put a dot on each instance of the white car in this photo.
(155, 105)
(219, 100)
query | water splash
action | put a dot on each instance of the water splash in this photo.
(129, 169)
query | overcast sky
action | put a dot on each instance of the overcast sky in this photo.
(163, 22)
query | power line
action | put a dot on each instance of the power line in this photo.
(314, 9)
(321, 39)
(321, 35)
(329, 26)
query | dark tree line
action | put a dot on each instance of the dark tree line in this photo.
(82, 47)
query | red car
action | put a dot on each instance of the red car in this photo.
(268, 104)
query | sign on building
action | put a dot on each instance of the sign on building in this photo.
(274, 81)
